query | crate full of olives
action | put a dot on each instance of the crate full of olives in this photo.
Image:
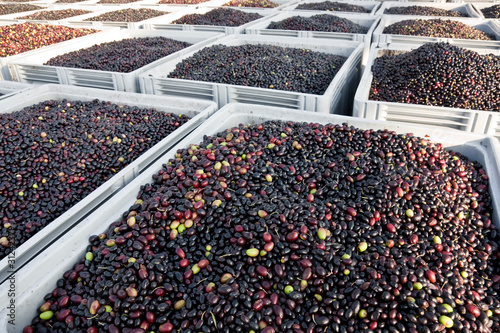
(18, 38)
(67, 150)
(128, 16)
(418, 8)
(299, 73)
(220, 19)
(409, 29)
(462, 97)
(112, 61)
(264, 215)
(350, 6)
(323, 25)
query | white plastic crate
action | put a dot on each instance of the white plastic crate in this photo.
(32, 2)
(199, 111)
(488, 26)
(100, 9)
(155, 4)
(4, 61)
(41, 2)
(474, 121)
(84, 2)
(371, 6)
(435, 1)
(480, 1)
(15, 17)
(10, 17)
(482, 5)
(163, 24)
(55, 3)
(30, 68)
(336, 98)
(8, 88)
(39, 277)
(281, 5)
(104, 5)
(463, 8)
(209, 3)
(368, 21)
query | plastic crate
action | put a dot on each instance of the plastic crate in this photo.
(4, 61)
(11, 17)
(30, 68)
(14, 17)
(32, 2)
(369, 21)
(336, 98)
(474, 121)
(8, 88)
(162, 24)
(482, 5)
(104, 5)
(462, 8)
(155, 4)
(488, 26)
(372, 6)
(102, 9)
(199, 111)
(209, 3)
(480, 1)
(39, 277)
(435, 1)
(50, 3)
(281, 5)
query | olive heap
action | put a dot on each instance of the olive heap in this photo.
(56, 152)
(18, 38)
(252, 3)
(123, 56)
(423, 11)
(491, 12)
(117, 1)
(332, 6)
(68, 1)
(438, 74)
(262, 66)
(293, 227)
(128, 15)
(52, 15)
(437, 28)
(320, 22)
(12, 8)
(227, 17)
(181, 2)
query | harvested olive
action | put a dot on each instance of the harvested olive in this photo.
(250, 185)
(219, 17)
(423, 11)
(332, 6)
(438, 74)
(57, 152)
(437, 28)
(320, 22)
(263, 66)
(122, 56)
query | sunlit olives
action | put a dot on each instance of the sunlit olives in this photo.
(331, 268)
(122, 56)
(447, 75)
